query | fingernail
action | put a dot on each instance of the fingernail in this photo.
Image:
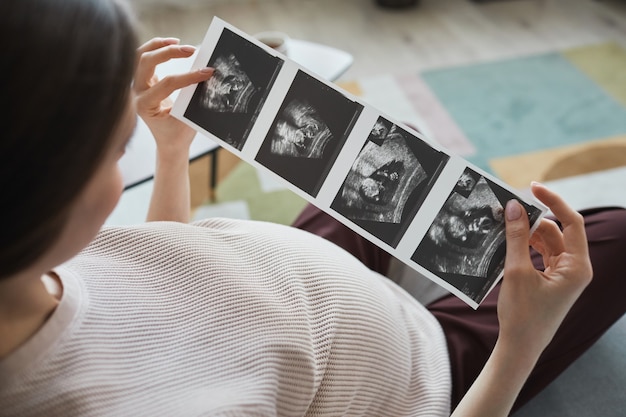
(513, 210)
(188, 48)
(206, 70)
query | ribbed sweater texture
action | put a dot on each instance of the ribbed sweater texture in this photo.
(227, 318)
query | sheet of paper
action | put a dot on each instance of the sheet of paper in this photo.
(427, 207)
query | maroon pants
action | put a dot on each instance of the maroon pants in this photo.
(471, 334)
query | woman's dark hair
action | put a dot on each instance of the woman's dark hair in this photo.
(65, 77)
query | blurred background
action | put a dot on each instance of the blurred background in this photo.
(494, 81)
(433, 33)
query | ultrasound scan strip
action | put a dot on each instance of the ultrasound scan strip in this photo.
(432, 210)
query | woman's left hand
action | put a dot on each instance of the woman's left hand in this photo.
(532, 304)
(152, 96)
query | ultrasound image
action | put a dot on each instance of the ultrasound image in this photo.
(309, 129)
(465, 245)
(300, 132)
(229, 90)
(388, 181)
(228, 104)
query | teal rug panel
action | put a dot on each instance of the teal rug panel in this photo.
(525, 104)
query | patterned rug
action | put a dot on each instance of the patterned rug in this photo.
(499, 114)
(547, 117)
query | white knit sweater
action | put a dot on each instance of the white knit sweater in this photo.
(227, 318)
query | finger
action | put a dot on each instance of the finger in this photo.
(538, 246)
(517, 238)
(551, 237)
(149, 60)
(151, 99)
(156, 43)
(547, 240)
(151, 45)
(574, 235)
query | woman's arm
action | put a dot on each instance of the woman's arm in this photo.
(532, 304)
(170, 196)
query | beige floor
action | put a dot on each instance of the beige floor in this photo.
(437, 33)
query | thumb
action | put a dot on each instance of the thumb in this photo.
(517, 236)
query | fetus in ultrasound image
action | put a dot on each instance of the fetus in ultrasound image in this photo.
(382, 185)
(308, 131)
(465, 245)
(300, 131)
(229, 90)
(388, 181)
(228, 104)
